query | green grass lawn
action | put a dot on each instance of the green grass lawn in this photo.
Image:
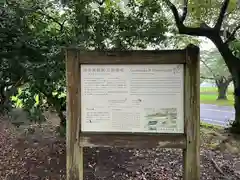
(213, 90)
(208, 95)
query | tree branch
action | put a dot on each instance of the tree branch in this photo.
(216, 77)
(193, 31)
(38, 10)
(2, 12)
(210, 78)
(221, 15)
(229, 13)
(205, 64)
(100, 2)
(175, 12)
(184, 15)
(232, 35)
(214, 34)
(229, 79)
(62, 25)
(53, 19)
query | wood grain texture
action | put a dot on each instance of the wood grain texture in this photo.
(133, 141)
(133, 57)
(74, 152)
(191, 155)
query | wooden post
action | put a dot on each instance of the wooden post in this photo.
(74, 151)
(191, 154)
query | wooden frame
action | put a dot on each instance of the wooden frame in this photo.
(189, 141)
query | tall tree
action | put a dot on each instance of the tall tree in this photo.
(32, 34)
(18, 47)
(222, 31)
(110, 25)
(214, 68)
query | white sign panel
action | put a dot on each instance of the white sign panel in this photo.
(132, 98)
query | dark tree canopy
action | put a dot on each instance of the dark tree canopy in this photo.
(34, 32)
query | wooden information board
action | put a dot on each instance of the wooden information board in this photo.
(139, 99)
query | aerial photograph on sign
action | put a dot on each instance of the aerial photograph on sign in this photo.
(163, 118)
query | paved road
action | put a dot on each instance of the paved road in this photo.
(217, 115)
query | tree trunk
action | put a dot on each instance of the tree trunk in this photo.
(222, 91)
(3, 100)
(2, 96)
(236, 81)
(222, 85)
(233, 64)
(59, 104)
(62, 119)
